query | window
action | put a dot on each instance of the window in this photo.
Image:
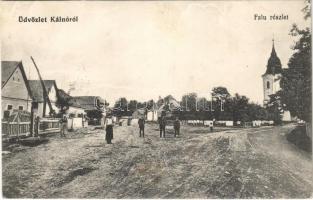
(268, 85)
(20, 107)
(10, 107)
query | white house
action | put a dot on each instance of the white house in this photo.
(15, 91)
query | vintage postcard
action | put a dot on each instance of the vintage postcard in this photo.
(156, 99)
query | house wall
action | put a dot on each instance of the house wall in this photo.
(56, 109)
(15, 103)
(75, 110)
(53, 99)
(39, 111)
(53, 95)
(15, 93)
(286, 117)
(74, 123)
(152, 116)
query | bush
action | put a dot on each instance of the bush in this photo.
(299, 137)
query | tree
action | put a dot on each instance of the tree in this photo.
(256, 112)
(64, 101)
(121, 104)
(160, 101)
(307, 9)
(220, 98)
(150, 104)
(239, 109)
(132, 106)
(94, 114)
(189, 101)
(275, 109)
(220, 92)
(296, 81)
(203, 104)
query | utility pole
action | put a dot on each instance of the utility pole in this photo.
(127, 106)
(121, 105)
(212, 103)
(222, 105)
(186, 103)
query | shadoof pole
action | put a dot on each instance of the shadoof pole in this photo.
(45, 93)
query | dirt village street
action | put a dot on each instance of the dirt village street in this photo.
(226, 163)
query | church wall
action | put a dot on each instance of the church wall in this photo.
(267, 79)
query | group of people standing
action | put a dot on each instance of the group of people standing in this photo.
(109, 127)
(141, 123)
(162, 125)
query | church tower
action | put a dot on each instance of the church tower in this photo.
(272, 76)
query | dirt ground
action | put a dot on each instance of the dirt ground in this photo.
(229, 163)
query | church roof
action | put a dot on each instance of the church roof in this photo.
(273, 63)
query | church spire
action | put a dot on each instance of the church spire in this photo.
(273, 64)
(273, 48)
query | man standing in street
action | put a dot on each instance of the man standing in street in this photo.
(141, 123)
(176, 127)
(109, 129)
(63, 126)
(162, 123)
(37, 124)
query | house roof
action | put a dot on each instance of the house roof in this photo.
(37, 90)
(88, 102)
(7, 70)
(171, 102)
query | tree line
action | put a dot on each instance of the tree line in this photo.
(222, 106)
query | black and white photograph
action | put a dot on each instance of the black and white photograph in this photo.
(156, 99)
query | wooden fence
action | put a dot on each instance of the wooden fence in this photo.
(22, 129)
(15, 129)
(49, 125)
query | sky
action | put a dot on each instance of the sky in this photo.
(143, 50)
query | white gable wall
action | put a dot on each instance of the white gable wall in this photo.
(15, 93)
